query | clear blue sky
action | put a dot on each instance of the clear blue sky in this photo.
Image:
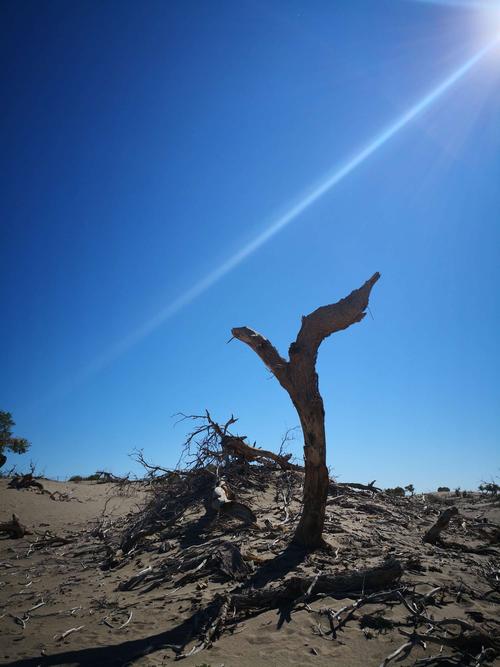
(145, 145)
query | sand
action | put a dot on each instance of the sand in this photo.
(45, 593)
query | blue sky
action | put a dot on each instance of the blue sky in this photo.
(145, 145)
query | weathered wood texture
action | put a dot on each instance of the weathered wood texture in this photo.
(298, 376)
(236, 446)
(434, 532)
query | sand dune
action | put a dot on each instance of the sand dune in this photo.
(61, 604)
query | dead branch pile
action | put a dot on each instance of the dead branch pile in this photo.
(217, 467)
(212, 443)
(380, 544)
(170, 499)
(227, 610)
(25, 482)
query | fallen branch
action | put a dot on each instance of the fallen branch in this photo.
(126, 622)
(348, 610)
(235, 446)
(468, 640)
(252, 602)
(404, 649)
(433, 534)
(24, 482)
(68, 632)
(361, 487)
(50, 541)
(135, 580)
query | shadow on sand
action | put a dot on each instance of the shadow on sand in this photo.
(128, 652)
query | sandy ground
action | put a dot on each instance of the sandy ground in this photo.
(47, 592)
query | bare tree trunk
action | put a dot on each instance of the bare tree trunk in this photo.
(433, 534)
(298, 376)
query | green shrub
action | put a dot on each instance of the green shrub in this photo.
(89, 478)
(7, 441)
(396, 491)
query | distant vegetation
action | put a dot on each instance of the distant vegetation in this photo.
(89, 478)
(489, 487)
(7, 441)
(396, 491)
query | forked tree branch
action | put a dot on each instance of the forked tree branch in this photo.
(298, 376)
(316, 326)
(326, 320)
(266, 351)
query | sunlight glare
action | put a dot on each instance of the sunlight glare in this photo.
(294, 211)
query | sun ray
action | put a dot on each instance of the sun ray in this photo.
(463, 4)
(293, 212)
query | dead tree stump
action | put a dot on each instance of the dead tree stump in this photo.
(298, 376)
(433, 534)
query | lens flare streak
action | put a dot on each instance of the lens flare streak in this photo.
(315, 193)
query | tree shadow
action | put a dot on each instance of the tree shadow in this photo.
(176, 638)
(277, 567)
(195, 532)
(116, 655)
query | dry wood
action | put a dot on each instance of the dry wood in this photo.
(249, 601)
(213, 631)
(370, 579)
(14, 528)
(346, 612)
(50, 541)
(134, 581)
(235, 446)
(24, 482)
(68, 632)
(468, 640)
(357, 485)
(433, 534)
(299, 378)
(404, 649)
(225, 504)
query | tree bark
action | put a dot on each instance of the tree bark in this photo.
(434, 533)
(298, 376)
(236, 446)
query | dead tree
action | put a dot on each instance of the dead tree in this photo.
(298, 376)
(434, 533)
